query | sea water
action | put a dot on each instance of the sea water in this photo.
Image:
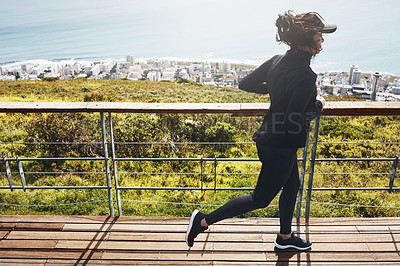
(237, 30)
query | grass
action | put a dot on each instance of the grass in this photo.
(18, 130)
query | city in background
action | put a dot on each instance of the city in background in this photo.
(371, 86)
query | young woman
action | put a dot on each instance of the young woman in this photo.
(290, 82)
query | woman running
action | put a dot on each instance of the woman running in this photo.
(291, 84)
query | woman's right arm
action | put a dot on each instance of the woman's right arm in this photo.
(256, 81)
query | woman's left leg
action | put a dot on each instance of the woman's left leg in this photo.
(287, 200)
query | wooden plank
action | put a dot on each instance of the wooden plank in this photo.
(44, 254)
(222, 237)
(220, 246)
(4, 233)
(221, 228)
(331, 108)
(184, 220)
(4, 244)
(165, 246)
(127, 227)
(39, 226)
(210, 236)
(7, 226)
(57, 219)
(193, 257)
(57, 262)
(57, 235)
(22, 261)
(353, 238)
(12, 219)
(215, 256)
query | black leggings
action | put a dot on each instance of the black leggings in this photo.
(279, 169)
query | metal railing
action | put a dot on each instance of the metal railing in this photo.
(332, 108)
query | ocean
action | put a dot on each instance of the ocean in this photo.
(230, 30)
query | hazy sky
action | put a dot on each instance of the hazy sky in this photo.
(367, 32)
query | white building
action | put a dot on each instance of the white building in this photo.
(136, 68)
(154, 75)
(134, 75)
(352, 68)
(7, 77)
(168, 74)
(184, 74)
(130, 59)
(38, 69)
(95, 70)
(101, 67)
(224, 67)
(67, 71)
(356, 77)
(396, 90)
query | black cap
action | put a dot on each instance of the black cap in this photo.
(329, 28)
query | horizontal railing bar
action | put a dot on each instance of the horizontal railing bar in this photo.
(159, 173)
(55, 173)
(187, 159)
(182, 188)
(360, 143)
(372, 188)
(238, 109)
(60, 187)
(186, 143)
(188, 173)
(129, 143)
(49, 143)
(195, 159)
(53, 159)
(354, 159)
(183, 143)
(354, 174)
(150, 173)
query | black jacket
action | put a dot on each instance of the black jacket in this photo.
(290, 82)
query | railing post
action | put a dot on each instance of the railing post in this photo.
(114, 165)
(107, 164)
(215, 172)
(302, 175)
(394, 167)
(201, 174)
(312, 164)
(8, 173)
(21, 174)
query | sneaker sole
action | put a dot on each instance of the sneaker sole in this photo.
(194, 213)
(291, 246)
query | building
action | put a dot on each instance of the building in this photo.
(356, 77)
(224, 67)
(375, 86)
(352, 68)
(168, 74)
(396, 90)
(130, 59)
(154, 75)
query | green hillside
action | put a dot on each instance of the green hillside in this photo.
(79, 135)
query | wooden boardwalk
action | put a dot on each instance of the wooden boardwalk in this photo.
(81, 240)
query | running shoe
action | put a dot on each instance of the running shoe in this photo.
(194, 227)
(293, 242)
